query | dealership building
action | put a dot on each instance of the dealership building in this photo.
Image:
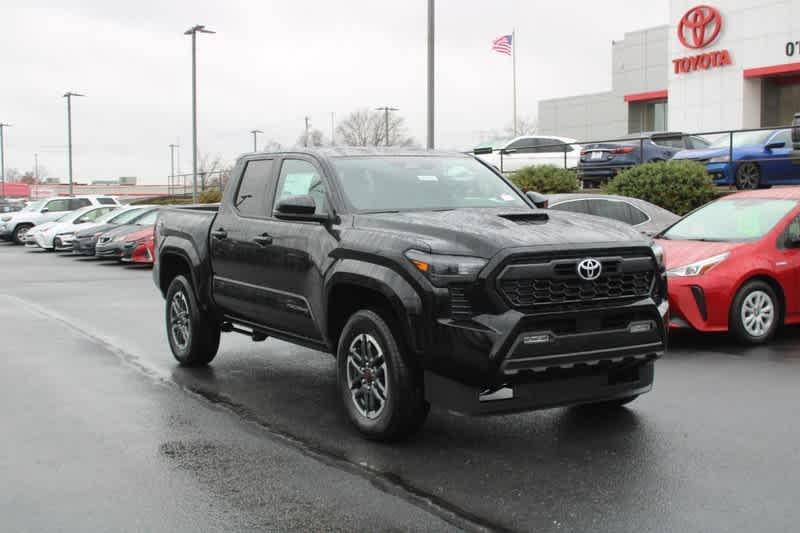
(724, 65)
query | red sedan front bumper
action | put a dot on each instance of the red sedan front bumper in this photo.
(699, 302)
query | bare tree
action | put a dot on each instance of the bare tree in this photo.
(315, 138)
(525, 126)
(209, 167)
(12, 174)
(366, 127)
(272, 146)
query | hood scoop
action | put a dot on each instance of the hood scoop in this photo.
(527, 219)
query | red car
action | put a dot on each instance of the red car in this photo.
(139, 247)
(734, 265)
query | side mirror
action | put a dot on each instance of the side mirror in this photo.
(777, 144)
(301, 208)
(539, 200)
(45, 210)
(506, 151)
(793, 241)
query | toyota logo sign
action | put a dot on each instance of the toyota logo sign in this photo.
(589, 269)
(699, 27)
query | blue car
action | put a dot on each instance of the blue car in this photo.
(760, 159)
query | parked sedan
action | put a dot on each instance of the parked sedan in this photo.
(85, 240)
(601, 161)
(648, 218)
(760, 159)
(528, 150)
(139, 247)
(734, 265)
(111, 244)
(59, 235)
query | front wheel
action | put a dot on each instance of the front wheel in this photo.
(193, 338)
(19, 233)
(755, 313)
(381, 390)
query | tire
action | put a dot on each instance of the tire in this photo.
(755, 313)
(748, 176)
(382, 392)
(193, 338)
(19, 233)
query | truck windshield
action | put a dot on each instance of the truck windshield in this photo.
(743, 219)
(401, 183)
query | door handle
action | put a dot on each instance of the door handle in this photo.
(263, 240)
(219, 234)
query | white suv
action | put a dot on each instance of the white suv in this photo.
(528, 150)
(14, 226)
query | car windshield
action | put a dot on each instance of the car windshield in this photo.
(743, 219)
(35, 206)
(402, 183)
(745, 138)
(125, 216)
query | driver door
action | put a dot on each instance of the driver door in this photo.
(787, 265)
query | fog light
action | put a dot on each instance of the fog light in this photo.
(640, 327)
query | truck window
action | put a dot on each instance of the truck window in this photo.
(251, 197)
(62, 204)
(300, 178)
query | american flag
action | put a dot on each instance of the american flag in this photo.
(502, 44)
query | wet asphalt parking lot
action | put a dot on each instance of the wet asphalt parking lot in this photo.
(102, 431)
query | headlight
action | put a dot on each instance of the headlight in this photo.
(6, 218)
(658, 253)
(720, 159)
(698, 268)
(444, 269)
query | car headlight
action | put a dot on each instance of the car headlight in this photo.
(720, 159)
(698, 268)
(6, 218)
(444, 269)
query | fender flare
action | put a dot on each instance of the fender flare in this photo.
(199, 274)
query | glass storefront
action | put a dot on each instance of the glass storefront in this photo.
(647, 116)
(780, 100)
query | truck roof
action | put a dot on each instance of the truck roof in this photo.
(332, 152)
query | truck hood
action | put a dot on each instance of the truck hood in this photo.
(484, 232)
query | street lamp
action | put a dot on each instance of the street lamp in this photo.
(171, 188)
(386, 110)
(3, 161)
(68, 96)
(193, 32)
(255, 144)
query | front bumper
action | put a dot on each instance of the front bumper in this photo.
(720, 173)
(63, 243)
(700, 302)
(111, 250)
(84, 245)
(514, 362)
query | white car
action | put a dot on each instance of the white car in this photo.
(14, 226)
(64, 236)
(59, 234)
(527, 150)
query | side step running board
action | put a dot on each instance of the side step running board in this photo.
(257, 336)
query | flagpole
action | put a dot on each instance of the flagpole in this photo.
(514, 73)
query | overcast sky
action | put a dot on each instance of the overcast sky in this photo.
(272, 63)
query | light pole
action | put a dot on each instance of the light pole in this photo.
(68, 95)
(35, 168)
(255, 136)
(172, 168)
(386, 110)
(431, 24)
(308, 125)
(3, 161)
(193, 32)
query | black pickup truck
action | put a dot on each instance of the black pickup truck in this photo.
(429, 276)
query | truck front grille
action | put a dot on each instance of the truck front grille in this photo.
(557, 282)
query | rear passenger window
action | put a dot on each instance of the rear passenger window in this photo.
(251, 197)
(670, 142)
(77, 203)
(616, 210)
(575, 206)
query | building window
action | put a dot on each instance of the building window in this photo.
(780, 100)
(647, 116)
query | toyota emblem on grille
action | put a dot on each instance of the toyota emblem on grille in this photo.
(589, 269)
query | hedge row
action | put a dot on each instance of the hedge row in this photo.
(678, 186)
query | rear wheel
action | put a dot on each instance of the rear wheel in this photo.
(193, 338)
(748, 176)
(381, 390)
(20, 231)
(755, 313)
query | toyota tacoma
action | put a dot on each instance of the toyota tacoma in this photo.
(428, 275)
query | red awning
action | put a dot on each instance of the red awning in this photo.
(16, 190)
(786, 69)
(646, 97)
